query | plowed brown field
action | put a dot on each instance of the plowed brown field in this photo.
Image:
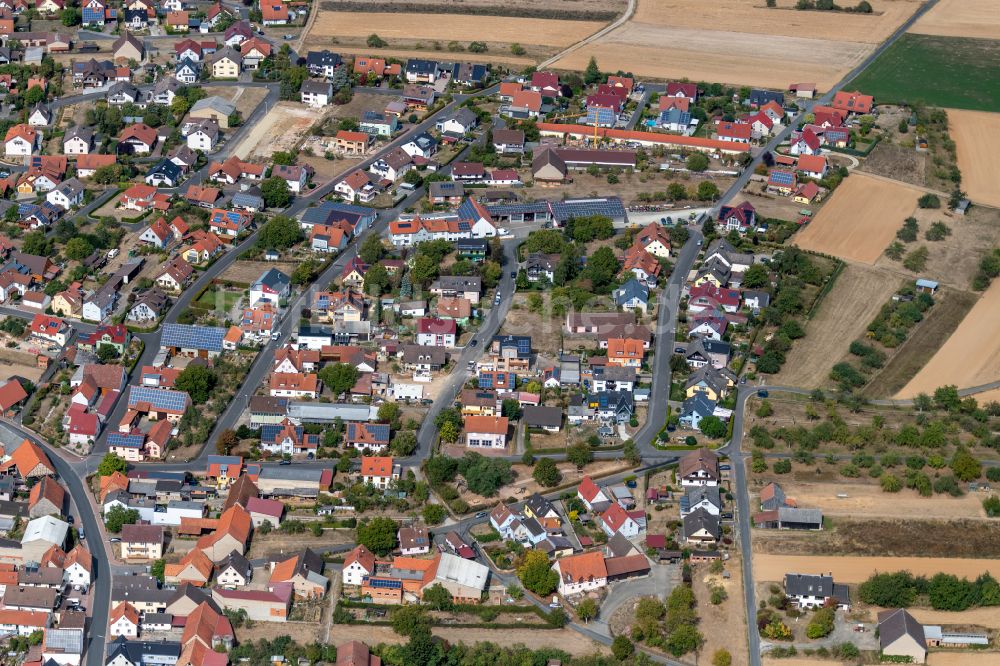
(860, 220)
(858, 569)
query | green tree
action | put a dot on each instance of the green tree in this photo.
(965, 466)
(602, 267)
(756, 277)
(157, 569)
(409, 619)
(280, 232)
(110, 464)
(276, 192)
(765, 409)
(586, 610)
(434, 514)
(71, 16)
(890, 483)
(404, 443)
(630, 451)
(592, 74)
(36, 242)
(377, 280)
(708, 191)
(78, 249)
(712, 426)
(722, 656)
(118, 516)
(228, 440)
(338, 377)
(992, 506)
(536, 573)
(107, 353)
(448, 432)
(546, 473)
(198, 381)
(696, 162)
(378, 535)
(821, 624)
(372, 249)
(686, 638)
(621, 647)
(929, 201)
(580, 454)
(437, 597)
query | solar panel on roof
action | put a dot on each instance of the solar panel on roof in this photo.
(208, 338)
(782, 177)
(126, 441)
(159, 398)
(385, 583)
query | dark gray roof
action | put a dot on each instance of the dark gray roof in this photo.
(808, 585)
(619, 546)
(698, 493)
(137, 652)
(700, 519)
(544, 417)
(538, 505)
(894, 624)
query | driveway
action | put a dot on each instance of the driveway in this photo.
(661, 580)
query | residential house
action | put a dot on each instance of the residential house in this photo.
(701, 527)
(900, 636)
(485, 431)
(142, 542)
(581, 573)
(699, 468)
(812, 591)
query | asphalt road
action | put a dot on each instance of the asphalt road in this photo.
(101, 588)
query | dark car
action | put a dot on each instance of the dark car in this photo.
(762, 393)
(513, 275)
(474, 343)
(285, 462)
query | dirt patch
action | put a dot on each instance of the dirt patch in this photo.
(879, 538)
(246, 99)
(869, 500)
(283, 128)
(977, 137)
(860, 219)
(970, 356)
(716, 622)
(396, 27)
(562, 639)
(246, 272)
(300, 632)
(842, 317)
(924, 341)
(961, 18)
(859, 569)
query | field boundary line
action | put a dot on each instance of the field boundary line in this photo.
(827, 288)
(611, 27)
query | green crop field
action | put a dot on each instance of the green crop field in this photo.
(951, 72)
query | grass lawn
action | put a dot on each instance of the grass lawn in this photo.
(950, 72)
(218, 297)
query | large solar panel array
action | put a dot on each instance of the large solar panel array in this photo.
(159, 398)
(126, 441)
(611, 207)
(782, 177)
(207, 338)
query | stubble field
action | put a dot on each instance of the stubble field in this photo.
(722, 42)
(842, 317)
(977, 137)
(405, 30)
(970, 356)
(858, 569)
(860, 220)
(961, 18)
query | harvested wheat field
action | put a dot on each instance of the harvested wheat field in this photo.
(989, 618)
(858, 569)
(411, 28)
(842, 317)
(722, 42)
(961, 18)
(740, 58)
(283, 128)
(864, 500)
(977, 137)
(970, 356)
(860, 220)
(754, 17)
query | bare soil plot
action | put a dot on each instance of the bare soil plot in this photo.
(246, 99)
(245, 272)
(326, 170)
(898, 162)
(562, 639)
(409, 27)
(977, 136)
(869, 500)
(860, 219)
(842, 317)
(858, 569)
(300, 632)
(970, 356)
(282, 129)
(717, 622)
(961, 18)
